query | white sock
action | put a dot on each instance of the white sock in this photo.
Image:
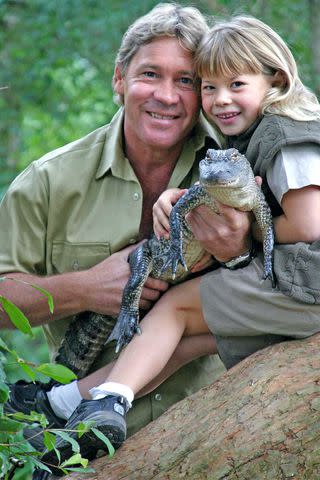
(64, 399)
(113, 388)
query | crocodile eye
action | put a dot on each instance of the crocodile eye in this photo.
(234, 156)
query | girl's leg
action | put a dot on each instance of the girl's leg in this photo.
(151, 358)
(176, 314)
(189, 349)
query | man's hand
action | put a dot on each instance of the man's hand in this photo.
(107, 280)
(205, 261)
(225, 235)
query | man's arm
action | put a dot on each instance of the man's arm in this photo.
(98, 289)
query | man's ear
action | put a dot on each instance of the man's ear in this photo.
(117, 81)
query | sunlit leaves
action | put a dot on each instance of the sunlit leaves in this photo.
(58, 372)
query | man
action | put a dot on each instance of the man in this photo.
(67, 220)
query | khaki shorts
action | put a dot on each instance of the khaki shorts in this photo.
(245, 313)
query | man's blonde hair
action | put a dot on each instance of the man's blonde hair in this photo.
(187, 24)
(245, 44)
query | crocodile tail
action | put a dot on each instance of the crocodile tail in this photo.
(84, 341)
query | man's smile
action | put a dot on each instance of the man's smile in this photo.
(159, 116)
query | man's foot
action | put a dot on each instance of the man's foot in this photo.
(28, 397)
(108, 416)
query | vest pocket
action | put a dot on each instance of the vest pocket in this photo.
(68, 257)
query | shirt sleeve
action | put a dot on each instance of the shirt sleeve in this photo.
(295, 166)
(23, 220)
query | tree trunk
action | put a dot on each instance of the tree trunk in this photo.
(260, 420)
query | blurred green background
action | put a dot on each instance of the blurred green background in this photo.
(56, 65)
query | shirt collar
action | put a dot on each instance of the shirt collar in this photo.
(113, 157)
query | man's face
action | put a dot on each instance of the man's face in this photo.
(160, 96)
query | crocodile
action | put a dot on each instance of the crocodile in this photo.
(226, 176)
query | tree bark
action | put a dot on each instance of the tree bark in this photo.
(260, 420)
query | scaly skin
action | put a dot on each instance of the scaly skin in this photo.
(226, 176)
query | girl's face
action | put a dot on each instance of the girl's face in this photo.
(233, 104)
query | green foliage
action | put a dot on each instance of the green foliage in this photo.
(15, 451)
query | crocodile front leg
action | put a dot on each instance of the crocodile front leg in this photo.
(195, 196)
(140, 261)
(264, 220)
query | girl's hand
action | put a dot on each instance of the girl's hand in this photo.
(162, 209)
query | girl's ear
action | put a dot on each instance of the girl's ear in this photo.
(117, 81)
(279, 79)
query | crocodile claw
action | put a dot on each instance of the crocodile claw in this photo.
(174, 257)
(268, 274)
(124, 329)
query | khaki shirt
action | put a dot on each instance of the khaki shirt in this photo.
(73, 208)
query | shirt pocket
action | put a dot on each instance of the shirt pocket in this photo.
(68, 257)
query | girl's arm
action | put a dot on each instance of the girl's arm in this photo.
(162, 209)
(300, 219)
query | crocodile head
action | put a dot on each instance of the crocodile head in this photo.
(228, 176)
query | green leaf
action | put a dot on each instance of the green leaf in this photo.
(57, 372)
(105, 440)
(4, 392)
(49, 440)
(10, 426)
(84, 427)
(81, 470)
(74, 444)
(47, 294)
(40, 465)
(28, 371)
(36, 287)
(4, 346)
(75, 460)
(16, 316)
(32, 417)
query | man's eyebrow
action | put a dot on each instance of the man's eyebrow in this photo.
(187, 72)
(149, 65)
(158, 67)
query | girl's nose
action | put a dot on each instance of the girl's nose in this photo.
(222, 97)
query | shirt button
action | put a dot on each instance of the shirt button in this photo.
(75, 265)
(132, 241)
(157, 397)
(136, 196)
